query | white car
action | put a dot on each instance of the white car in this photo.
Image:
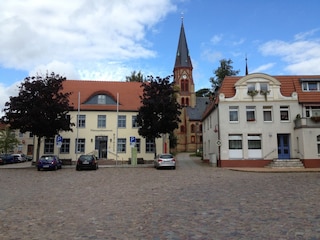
(18, 157)
(165, 160)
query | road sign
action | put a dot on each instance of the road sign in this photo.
(59, 140)
(132, 141)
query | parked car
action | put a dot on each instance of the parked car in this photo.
(165, 160)
(17, 158)
(49, 162)
(28, 158)
(88, 161)
(7, 158)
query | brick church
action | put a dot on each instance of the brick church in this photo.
(189, 133)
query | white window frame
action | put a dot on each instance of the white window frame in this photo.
(233, 111)
(267, 109)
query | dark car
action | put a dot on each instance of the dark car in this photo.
(88, 161)
(7, 158)
(49, 162)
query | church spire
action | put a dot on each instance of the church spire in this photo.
(182, 58)
(246, 66)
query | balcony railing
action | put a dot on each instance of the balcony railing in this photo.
(306, 123)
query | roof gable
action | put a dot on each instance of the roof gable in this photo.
(128, 94)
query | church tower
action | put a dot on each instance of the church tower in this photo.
(189, 133)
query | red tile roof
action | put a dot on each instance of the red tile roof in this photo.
(129, 93)
(289, 84)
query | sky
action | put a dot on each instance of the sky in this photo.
(109, 39)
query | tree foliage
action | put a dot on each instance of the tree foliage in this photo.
(204, 92)
(160, 111)
(225, 69)
(135, 77)
(40, 107)
(8, 140)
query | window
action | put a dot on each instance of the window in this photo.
(138, 144)
(102, 99)
(312, 111)
(122, 121)
(80, 145)
(65, 147)
(149, 145)
(48, 145)
(134, 122)
(121, 145)
(182, 129)
(267, 113)
(284, 113)
(235, 141)
(81, 121)
(102, 121)
(264, 87)
(318, 144)
(192, 128)
(254, 141)
(310, 86)
(233, 114)
(251, 86)
(254, 146)
(251, 113)
(235, 146)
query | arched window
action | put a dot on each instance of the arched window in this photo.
(182, 101)
(186, 85)
(182, 129)
(192, 128)
(182, 86)
(187, 101)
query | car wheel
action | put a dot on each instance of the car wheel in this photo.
(55, 168)
(173, 168)
(38, 169)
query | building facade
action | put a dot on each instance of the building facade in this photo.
(104, 116)
(259, 118)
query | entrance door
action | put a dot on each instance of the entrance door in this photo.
(283, 146)
(102, 146)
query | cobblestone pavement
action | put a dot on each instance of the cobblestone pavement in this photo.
(195, 201)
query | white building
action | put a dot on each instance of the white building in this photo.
(259, 118)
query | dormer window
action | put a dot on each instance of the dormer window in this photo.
(310, 85)
(101, 99)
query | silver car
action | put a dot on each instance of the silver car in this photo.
(165, 160)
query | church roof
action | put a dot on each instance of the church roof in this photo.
(196, 112)
(182, 58)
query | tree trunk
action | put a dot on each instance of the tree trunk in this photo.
(38, 149)
(155, 148)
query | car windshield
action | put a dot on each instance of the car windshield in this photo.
(86, 157)
(166, 156)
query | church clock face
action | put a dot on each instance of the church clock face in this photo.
(184, 76)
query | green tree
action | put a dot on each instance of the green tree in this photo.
(8, 140)
(203, 92)
(160, 111)
(135, 77)
(225, 69)
(40, 107)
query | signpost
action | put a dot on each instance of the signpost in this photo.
(133, 150)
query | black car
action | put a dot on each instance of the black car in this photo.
(88, 161)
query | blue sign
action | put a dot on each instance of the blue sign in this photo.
(59, 139)
(132, 140)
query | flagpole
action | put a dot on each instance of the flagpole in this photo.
(117, 128)
(77, 141)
